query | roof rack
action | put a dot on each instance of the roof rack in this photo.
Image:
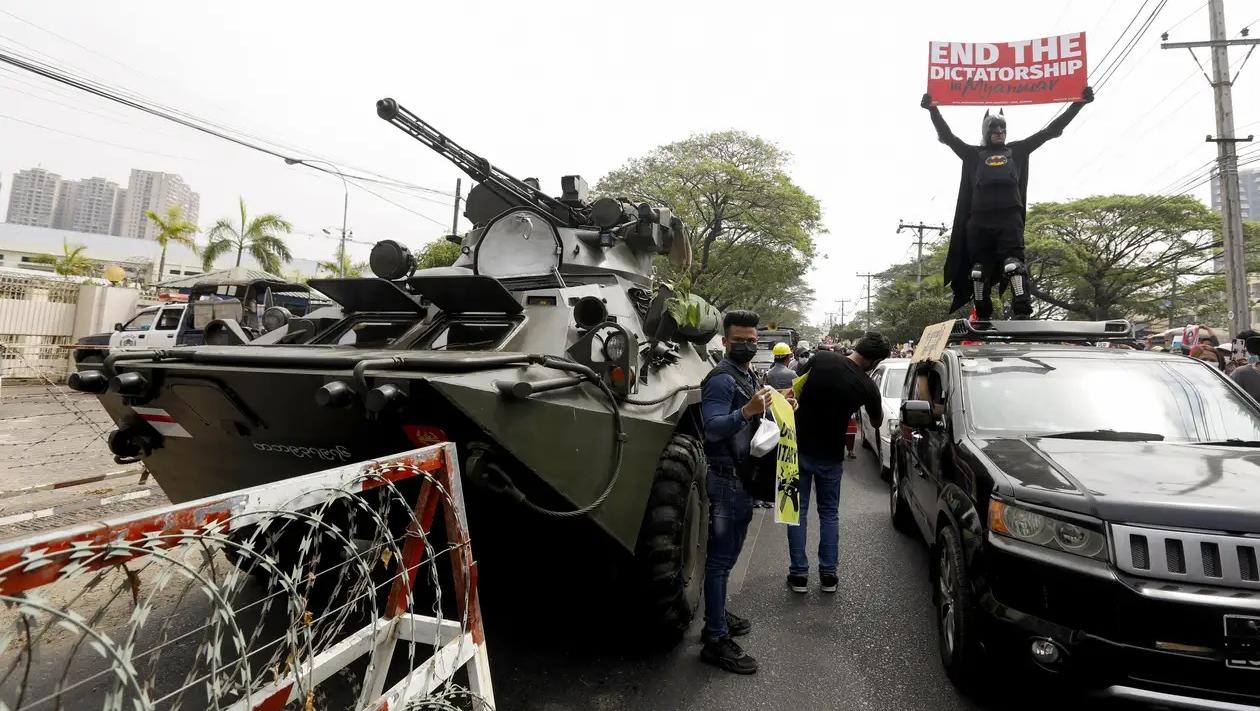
(1041, 331)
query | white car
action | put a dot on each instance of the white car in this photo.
(889, 377)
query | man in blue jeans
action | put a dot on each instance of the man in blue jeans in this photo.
(836, 387)
(731, 406)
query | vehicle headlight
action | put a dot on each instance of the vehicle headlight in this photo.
(615, 346)
(894, 424)
(1040, 529)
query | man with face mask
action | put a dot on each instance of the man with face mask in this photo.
(731, 406)
(835, 387)
(986, 244)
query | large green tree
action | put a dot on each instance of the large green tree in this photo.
(262, 236)
(343, 267)
(751, 228)
(1116, 256)
(171, 227)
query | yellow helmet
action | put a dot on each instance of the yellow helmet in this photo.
(782, 349)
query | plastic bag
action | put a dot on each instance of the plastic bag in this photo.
(766, 438)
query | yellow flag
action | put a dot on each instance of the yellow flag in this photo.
(787, 496)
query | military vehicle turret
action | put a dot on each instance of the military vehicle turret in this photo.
(568, 380)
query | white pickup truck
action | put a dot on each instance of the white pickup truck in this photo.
(153, 327)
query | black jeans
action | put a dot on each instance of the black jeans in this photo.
(991, 240)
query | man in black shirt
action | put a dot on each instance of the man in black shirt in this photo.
(837, 385)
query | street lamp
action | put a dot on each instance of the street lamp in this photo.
(345, 206)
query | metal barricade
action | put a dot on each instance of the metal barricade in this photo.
(256, 599)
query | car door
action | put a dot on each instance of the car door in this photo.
(166, 327)
(870, 434)
(926, 450)
(134, 332)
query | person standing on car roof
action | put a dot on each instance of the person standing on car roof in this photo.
(780, 375)
(835, 387)
(731, 405)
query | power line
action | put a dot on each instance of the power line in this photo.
(93, 140)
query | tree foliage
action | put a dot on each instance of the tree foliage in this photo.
(751, 228)
(261, 236)
(72, 262)
(172, 227)
(438, 253)
(343, 267)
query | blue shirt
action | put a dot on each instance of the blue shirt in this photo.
(720, 404)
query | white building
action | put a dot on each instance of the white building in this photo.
(87, 206)
(1248, 193)
(21, 244)
(33, 197)
(150, 190)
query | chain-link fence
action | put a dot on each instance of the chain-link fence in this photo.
(338, 589)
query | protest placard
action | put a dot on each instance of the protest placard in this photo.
(1037, 71)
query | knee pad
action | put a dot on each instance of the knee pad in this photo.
(977, 281)
(1017, 274)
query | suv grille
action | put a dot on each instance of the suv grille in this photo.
(1204, 558)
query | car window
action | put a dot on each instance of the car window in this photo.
(1181, 401)
(372, 334)
(894, 381)
(169, 320)
(468, 336)
(142, 321)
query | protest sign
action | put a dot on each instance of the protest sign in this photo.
(933, 341)
(787, 495)
(1038, 71)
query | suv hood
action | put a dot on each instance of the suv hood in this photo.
(1152, 483)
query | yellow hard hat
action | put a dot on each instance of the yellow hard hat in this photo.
(782, 349)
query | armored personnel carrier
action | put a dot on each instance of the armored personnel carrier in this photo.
(567, 379)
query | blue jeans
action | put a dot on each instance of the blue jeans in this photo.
(730, 511)
(824, 476)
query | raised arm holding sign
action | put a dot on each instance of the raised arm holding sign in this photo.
(986, 244)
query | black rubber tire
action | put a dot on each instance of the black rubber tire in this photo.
(957, 618)
(898, 509)
(669, 558)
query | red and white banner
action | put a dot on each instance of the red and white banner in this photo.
(1038, 71)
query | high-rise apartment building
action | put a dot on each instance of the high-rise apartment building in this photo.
(1248, 193)
(86, 205)
(33, 197)
(149, 190)
(120, 212)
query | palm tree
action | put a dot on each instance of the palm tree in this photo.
(260, 235)
(72, 262)
(343, 267)
(172, 228)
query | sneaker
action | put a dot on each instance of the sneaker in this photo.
(736, 626)
(829, 582)
(725, 653)
(798, 583)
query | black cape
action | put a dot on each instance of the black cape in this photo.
(958, 262)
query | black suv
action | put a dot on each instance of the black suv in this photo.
(1093, 513)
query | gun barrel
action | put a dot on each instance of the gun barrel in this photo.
(479, 169)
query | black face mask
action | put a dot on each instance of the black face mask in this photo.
(742, 352)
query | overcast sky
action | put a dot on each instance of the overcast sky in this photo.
(551, 88)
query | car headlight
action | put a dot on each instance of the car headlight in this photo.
(615, 346)
(894, 424)
(1040, 529)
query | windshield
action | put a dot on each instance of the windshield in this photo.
(1180, 401)
(894, 380)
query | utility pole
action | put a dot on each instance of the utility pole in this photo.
(455, 216)
(1227, 162)
(842, 303)
(868, 278)
(941, 229)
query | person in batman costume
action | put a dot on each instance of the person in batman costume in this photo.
(986, 244)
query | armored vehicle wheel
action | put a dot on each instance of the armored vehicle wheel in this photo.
(669, 561)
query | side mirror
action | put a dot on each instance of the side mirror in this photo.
(118, 326)
(917, 414)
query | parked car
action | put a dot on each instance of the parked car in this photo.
(254, 306)
(889, 377)
(1093, 514)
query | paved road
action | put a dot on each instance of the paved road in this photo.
(872, 645)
